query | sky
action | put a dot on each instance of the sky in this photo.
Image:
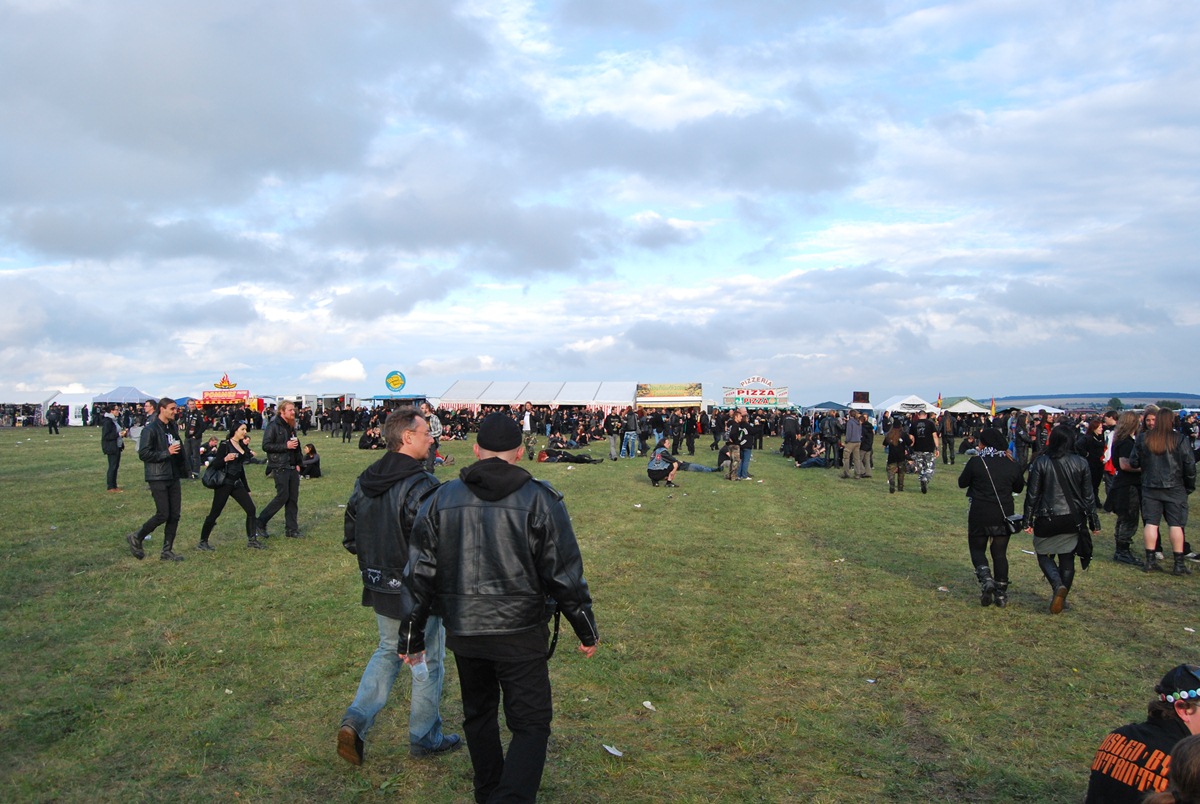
(984, 198)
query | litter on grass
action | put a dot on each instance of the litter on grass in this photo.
(649, 706)
(614, 751)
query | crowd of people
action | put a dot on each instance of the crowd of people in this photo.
(412, 536)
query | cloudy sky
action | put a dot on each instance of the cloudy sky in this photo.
(984, 197)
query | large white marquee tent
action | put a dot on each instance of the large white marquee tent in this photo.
(477, 393)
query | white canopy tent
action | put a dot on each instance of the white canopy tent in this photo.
(476, 393)
(904, 403)
(967, 406)
(1041, 408)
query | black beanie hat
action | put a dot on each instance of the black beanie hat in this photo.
(499, 433)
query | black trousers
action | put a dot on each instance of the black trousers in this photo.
(525, 685)
(220, 497)
(114, 463)
(287, 497)
(192, 451)
(167, 506)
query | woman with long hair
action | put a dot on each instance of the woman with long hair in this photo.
(1125, 496)
(1090, 445)
(991, 478)
(896, 443)
(1183, 777)
(1058, 503)
(1168, 477)
(232, 455)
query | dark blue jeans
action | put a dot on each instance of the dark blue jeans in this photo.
(527, 712)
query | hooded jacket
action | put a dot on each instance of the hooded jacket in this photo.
(378, 522)
(487, 549)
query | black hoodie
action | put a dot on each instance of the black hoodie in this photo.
(494, 478)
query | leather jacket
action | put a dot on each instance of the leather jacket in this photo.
(153, 449)
(1045, 496)
(1173, 468)
(376, 530)
(488, 565)
(274, 443)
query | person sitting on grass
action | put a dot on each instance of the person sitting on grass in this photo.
(371, 439)
(1135, 758)
(310, 462)
(663, 465)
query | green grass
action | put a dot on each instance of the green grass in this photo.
(790, 634)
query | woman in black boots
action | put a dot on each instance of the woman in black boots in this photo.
(991, 478)
(1058, 502)
(232, 455)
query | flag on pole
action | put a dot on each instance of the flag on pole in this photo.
(939, 402)
(993, 406)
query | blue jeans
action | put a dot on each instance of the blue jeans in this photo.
(744, 466)
(424, 718)
(629, 445)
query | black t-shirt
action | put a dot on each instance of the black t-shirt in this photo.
(1132, 761)
(922, 431)
(1124, 449)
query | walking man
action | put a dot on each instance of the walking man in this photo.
(282, 446)
(435, 430)
(487, 551)
(162, 455)
(378, 524)
(193, 435)
(924, 435)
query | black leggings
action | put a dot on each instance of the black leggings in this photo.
(978, 546)
(221, 496)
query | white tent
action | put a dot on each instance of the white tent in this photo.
(904, 404)
(967, 406)
(1040, 408)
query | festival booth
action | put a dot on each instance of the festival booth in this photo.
(754, 393)
(24, 408)
(669, 395)
(125, 395)
(907, 404)
(75, 405)
(825, 407)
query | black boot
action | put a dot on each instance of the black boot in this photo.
(1001, 596)
(1181, 567)
(1068, 579)
(1050, 570)
(987, 586)
(1124, 556)
(1151, 564)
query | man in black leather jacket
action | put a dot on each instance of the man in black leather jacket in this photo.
(162, 455)
(487, 550)
(378, 522)
(282, 446)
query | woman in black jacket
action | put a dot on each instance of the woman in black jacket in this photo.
(991, 478)
(1091, 446)
(232, 456)
(1058, 501)
(1168, 468)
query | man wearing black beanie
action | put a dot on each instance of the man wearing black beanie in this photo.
(487, 551)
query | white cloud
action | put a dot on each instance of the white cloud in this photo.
(349, 370)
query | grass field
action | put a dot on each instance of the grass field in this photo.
(790, 633)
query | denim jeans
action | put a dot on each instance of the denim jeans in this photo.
(629, 444)
(424, 718)
(744, 466)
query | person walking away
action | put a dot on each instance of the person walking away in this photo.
(377, 529)
(282, 446)
(923, 436)
(851, 455)
(487, 551)
(896, 443)
(991, 478)
(161, 453)
(1058, 503)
